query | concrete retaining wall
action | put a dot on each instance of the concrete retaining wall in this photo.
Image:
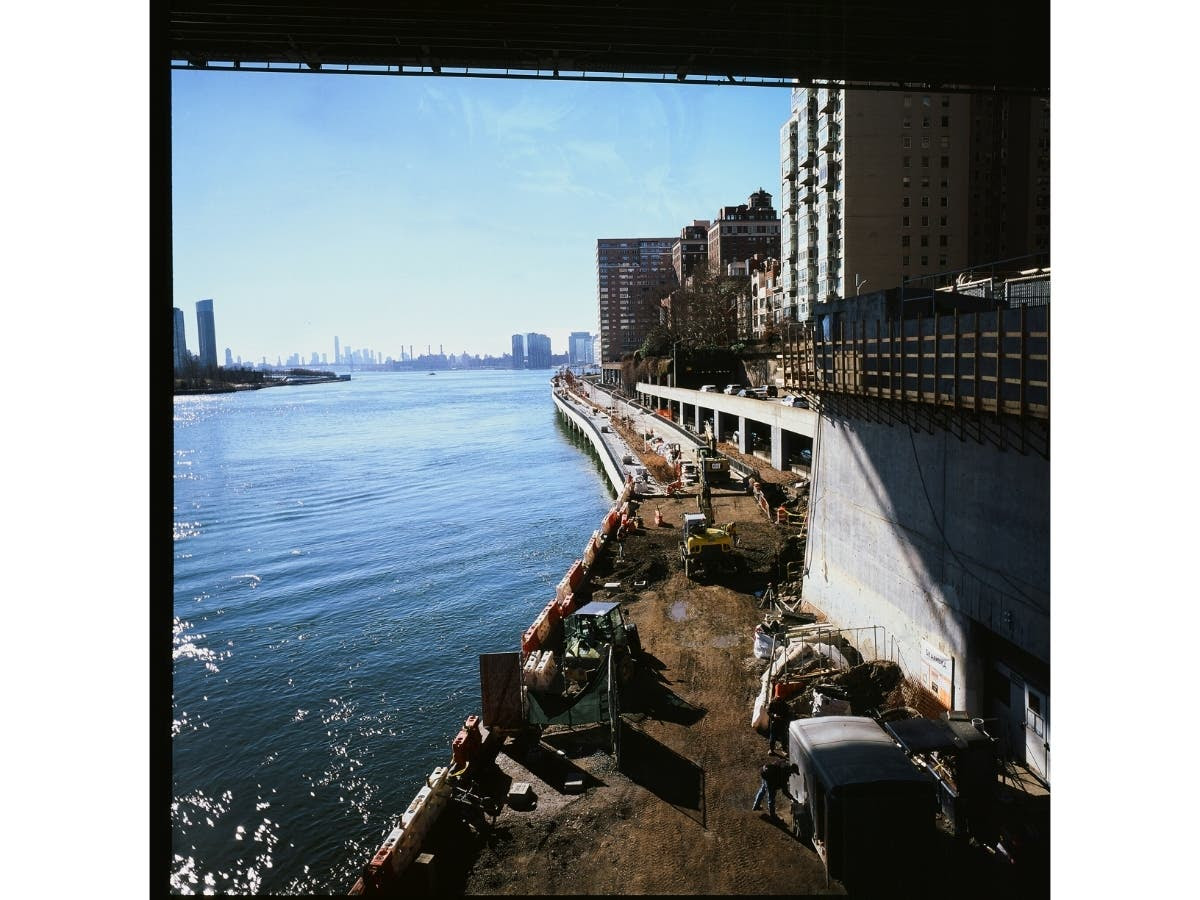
(936, 539)
(589, 429)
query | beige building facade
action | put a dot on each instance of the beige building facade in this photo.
(882, 188)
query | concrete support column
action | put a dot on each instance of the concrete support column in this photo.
(781, 449)
(698, 424)
(717, 424)
(742, 441)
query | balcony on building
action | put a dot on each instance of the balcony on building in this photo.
(828, 174)
(827, 99)
(828, 136)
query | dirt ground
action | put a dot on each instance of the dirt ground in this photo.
(674, 815)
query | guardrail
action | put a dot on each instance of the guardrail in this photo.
(993, 361)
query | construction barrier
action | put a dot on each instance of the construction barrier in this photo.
(404, 842)
(467, 743)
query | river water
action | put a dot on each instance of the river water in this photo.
(342, 554)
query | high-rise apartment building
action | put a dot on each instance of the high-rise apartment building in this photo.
(179, 347)
(1009, 185)
(690, 251)
(742, 231)
(883, 187)
(337, 352)
(579, 349)
(518, 351)
(632, 275)
(207, 330)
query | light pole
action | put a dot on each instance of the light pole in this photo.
(858, 284)
(674, 364)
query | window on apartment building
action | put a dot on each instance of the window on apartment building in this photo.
(924, 142)
(905, 260)
(945, 183)
(924, 201)
(924, 121)
(906, 142)
(924, 221)
(904, 240)
(945, 162)
(945, 101)
(945, 142)
(943, 202)
(904, 201)
(924, 240)
(907, 100)
(905, 181)
(924, 260)
(924, 162)
(943, 222)
(924, 181)
(904, 222)
(906, 162)
(944, 241)
(926, 101)
(906, 122)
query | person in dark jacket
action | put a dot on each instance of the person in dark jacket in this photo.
(774, 776)
(778, 715)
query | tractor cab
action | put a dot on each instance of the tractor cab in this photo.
(593, 627)
(704, 547)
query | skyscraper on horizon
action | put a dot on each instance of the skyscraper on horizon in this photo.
(537, 351)
(337, 353)
(180, 345)
(207, 330)
(579, 348)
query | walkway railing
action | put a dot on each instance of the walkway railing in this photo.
(996, 361)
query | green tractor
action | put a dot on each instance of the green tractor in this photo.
(592, 628)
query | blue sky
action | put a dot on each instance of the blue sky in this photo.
(397, 211)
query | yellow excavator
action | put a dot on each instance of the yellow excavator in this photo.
(705, 548)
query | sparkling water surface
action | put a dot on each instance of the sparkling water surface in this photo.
(343, 554)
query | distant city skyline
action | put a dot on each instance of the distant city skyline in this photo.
(421, 211)
(343, 353)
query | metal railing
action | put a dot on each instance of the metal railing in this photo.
(995, 361)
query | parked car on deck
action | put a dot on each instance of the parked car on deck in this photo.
(793, 400)
(711, 388)
(732, 388)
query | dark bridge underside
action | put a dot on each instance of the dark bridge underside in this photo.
(950, 44)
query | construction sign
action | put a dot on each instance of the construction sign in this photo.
(938, 674)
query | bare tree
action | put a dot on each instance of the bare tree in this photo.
(704, 311)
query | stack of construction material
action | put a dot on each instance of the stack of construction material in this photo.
(539, 670)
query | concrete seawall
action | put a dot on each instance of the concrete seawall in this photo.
(589, 427)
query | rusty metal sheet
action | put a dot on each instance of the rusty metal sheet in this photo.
(500, 689)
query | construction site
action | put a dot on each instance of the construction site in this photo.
(643, 781)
